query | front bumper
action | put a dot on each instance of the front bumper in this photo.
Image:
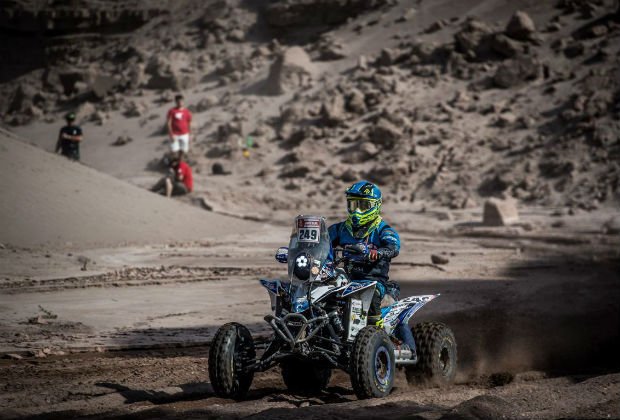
(296, 329)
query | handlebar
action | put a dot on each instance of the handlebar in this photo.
(351, 252)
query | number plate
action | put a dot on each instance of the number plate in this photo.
(309, 230)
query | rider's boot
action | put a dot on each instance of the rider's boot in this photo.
(404, 333)
(375, 320)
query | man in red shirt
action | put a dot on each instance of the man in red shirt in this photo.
(179, 123)
(179, 180)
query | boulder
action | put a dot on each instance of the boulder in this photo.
(362, 63)
(436, 26)
(360, 153)
(385, 173)
(84, 112)
(205, 103)
(163, 75)
(505, 46)
(135, 109)
(349, 175)
(221, 151)
(34, 111)
(291, 69)
(292, 113)
(428, 53)
(356, 101)
(99, 117)
(473, 39)
(218, 169)
(554, 167)
(295, 171)
(332, 110)
(506, 119)
(521, 26)
(102, 84)
(236, 35)
(158, 68)
(330, 48)
(122, 140)
(236, 63)
(515, 72)
(227, 130)
(385, 134)
(499, 212)
(596, 31)
(612, 226)
(574, 49)
(389, 56)
(69, 79)
(22, 98)
(13, 356)
(496, 183)
(407, 15)
(136, 76)
(439, 260)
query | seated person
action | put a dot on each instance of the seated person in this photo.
(178, 181)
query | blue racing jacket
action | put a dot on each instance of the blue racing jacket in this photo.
(384, 239)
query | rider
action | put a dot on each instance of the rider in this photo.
(379, 243)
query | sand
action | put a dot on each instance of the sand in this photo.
(53, 201)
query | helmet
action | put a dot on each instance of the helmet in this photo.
(70, 116)
(364, 207)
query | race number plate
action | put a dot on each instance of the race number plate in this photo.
(309, 229)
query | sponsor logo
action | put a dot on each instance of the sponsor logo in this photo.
(308, 223)
(302, 261)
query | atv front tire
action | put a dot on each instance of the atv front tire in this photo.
(436, 348)
(303, 377)
(372, 363)
(231, 352)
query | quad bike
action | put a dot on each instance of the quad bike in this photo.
(319, 321)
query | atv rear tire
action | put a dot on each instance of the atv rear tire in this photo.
(437, 357)
(372, 363)
(231, 352)
(304, 377)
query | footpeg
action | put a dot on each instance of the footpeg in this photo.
(404, 356)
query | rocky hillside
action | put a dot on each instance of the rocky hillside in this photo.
(444, 101)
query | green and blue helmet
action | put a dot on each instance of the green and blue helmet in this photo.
(364, 208)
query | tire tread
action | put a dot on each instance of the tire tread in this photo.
(361, 364)
(427, 337)
(220, 374)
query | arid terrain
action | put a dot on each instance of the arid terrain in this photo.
(110, 294)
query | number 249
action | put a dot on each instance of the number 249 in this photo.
(308, 234)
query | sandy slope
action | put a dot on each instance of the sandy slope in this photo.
(47, 199)
(491, 139)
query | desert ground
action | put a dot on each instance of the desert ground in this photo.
(110, 295)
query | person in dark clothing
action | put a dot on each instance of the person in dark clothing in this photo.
(69, 139)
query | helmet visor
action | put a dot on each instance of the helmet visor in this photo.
(359, 204)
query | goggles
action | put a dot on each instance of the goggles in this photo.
(360, 205)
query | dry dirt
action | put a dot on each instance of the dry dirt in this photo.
(536, 320)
